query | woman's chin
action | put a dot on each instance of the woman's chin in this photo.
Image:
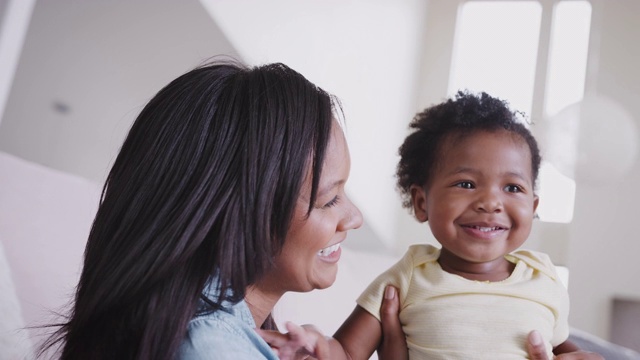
(327, 278)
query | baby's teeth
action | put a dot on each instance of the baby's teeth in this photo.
(329, 250)
(486, 229)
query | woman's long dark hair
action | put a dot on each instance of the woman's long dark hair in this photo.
(204, 185)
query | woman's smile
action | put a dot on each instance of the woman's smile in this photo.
(330, 253)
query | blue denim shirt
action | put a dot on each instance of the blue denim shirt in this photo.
(225, 334)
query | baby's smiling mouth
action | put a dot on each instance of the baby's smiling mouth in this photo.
(485, 228)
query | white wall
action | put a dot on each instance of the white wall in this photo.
(102, 60)
(14, 22)
(364, 51)
(600, 245)
(45, 217)
(604, 243)
(373, 54)
(14, 344)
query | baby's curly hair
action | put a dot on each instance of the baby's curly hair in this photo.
(462, 115)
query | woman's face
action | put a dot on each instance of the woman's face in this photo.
(309, 257)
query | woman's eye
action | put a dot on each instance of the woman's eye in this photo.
(465, 185)
(513, 188)
(331, 203)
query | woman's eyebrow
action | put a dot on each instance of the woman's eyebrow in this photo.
(325, 189)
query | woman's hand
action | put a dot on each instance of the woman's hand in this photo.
(579, 355)
(537, 350)
(306, 341)
(393, 344)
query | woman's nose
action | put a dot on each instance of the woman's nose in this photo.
(353, 218)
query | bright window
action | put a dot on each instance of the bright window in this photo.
(495, 50)
(567, 55)
(490, 56)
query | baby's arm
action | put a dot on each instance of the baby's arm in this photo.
(356, 339)
(301, 341)
(361, 334)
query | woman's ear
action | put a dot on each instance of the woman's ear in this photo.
(419, 201)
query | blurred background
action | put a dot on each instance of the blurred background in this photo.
(75, 74)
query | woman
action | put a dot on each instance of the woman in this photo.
(227, 192)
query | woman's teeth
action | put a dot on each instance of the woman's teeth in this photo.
(329, 250)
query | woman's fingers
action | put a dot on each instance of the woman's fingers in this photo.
(394, 343)
(274, 338)
(297, 343)
(389, 313)
(535, 346)
(302, 337)
(580, 355)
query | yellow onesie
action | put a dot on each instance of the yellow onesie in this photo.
(446, 316)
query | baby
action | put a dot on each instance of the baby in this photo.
(469, 170)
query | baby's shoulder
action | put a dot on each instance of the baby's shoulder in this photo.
(419, 254)
(537, 260)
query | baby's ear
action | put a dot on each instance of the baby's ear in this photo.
(419, 202)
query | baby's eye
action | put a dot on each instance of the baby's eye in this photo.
(513, 188)
(465, 185)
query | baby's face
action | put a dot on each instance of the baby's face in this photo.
(480, 201)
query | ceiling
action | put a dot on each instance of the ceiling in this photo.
(88, 67)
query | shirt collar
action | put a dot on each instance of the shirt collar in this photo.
(239, 310)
